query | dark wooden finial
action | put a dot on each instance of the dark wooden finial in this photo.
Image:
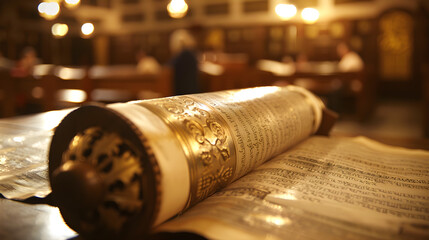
(77, 186)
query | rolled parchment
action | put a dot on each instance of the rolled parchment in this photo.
(121, 169)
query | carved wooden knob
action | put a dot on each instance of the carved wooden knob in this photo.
(98, 185)
(76, 185)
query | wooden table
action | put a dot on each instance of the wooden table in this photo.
(325, 79)
(36, 222)
(26, 221)
(40, 221)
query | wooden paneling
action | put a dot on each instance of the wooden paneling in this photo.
(252, 6)
(217, 9)
(133, 17)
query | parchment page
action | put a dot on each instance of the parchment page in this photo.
(24, 145)
(24, 164)
(325, 188)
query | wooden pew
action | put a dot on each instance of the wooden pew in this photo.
(22, 93)
(326, 80)
(341, 85)
(235, 78)
(356, 85)
(56, 83)
(128, 79)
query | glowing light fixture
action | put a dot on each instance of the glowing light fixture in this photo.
(49, 10)
(87, 29)
(285, 11)
(72, 3)
(177, 8)
(59, 30)
(310, 15)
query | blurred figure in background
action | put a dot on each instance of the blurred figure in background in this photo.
(25, 65)
(350, 61)
(147, 64)
(301, 62)
(25, 102)
(184, 63)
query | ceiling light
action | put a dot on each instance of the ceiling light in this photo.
(310, 15)
(59, 30)
(177, 8)
(48, 10)
(285, 11)
(72, 3)
(87, 29)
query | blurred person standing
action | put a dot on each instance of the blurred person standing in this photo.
(184, 63)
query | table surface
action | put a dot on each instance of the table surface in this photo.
(31, 221)
(39, 221)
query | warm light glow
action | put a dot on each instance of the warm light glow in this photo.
(18, 139)
(50, 120)
(72, 3)
(267, 219)
(277, 220)
(42, 7)
(251, 93)
(310, 15)
(87, 29)
(56, 225)
(212, 68)
(66, 73)
(277, 68)
(40, 70)
(177, 8)
(59, 30)
(37, 92)
(285, 11)
(49, 10)
(289, 195)
(71, 95)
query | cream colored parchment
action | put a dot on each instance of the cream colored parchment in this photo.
(325, 188)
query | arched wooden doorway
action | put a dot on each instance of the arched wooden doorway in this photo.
(396, 61)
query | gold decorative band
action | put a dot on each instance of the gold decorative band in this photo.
(206, 141)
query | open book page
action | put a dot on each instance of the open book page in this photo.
(24, 165)
(24, 145)
(324, 188)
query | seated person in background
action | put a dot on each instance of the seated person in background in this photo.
(350, 60)
(147, 64)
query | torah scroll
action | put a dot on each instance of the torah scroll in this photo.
(121, 169)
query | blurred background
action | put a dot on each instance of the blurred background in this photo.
(367, 59)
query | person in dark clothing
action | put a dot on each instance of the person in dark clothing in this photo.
(185, 74)
(184, 63)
